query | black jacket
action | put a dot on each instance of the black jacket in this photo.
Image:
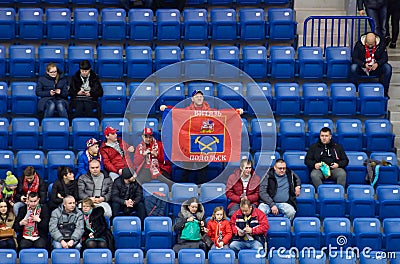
(42, 190)
(43, 225)
(372, 4)
(63, 189)
(269, 186)
(315, 151)
(380, 56)
(119, 191)
(96, 90)
(100, 227)
(46, 83)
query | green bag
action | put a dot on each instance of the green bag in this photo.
(191, 231)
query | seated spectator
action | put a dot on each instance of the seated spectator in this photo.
(219, 229)
(328, 156)
(66, 225)
(370, 58)
(149, 160)
(279, 189)
(84, 91)
(191, 218)
(7, 219)
(92, 152)
(115, 153)
(65, 185)
(242, 184)
(29, 182)
(127, 196)
(32, 223)
(249, 227)
(98, 232)
(52, 88)
(9, 188)
(96, 185)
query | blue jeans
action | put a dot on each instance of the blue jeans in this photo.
(242, 244)
(52, 105)
(384, 72)
(379, 17)
(284, 208)
(56, 244)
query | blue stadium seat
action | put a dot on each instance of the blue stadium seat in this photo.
(206, 87)
(372, 100)
(157, 233)
(113, 25)
(314, 127)
(221, 256)
(33, 158)
(57, 158)
(258, 95)
(281, 257)
(356, 169)
(181, 192)
(263, 160)
(255, 61)
(282, 24)
(127, 232)
(171, 93)
(231, 94)
(109, 2)
(119, 123)
(65, 255)
(315, 257)
(361, 201)
(142, 98)
(337, 257)
(82, 129)
(58, 23)
(3, 62)
(23, 98)
(338, 60)
(22, 61)
(391, 234)
(248, 2)
(132, 256)
(219, 2)
(199, 67)
(195, 24)
(76, 54)
(191, 256)
(374, 257)
(49, 53)
(245, 143)
(168, 25)
(8, 256)
(155, 256)
(195, 2)
(311, 63)
(229, 55)
(387, 174)
(212, 194)
(113, 101)
(150, 187)
(344, 99)
(306, 203)
(367, 233)
(140, 23)
(251, 256)
(165, 56)
(86, 24)
(139, 62)
(83, 2)
(295, 161)
(316, 100)
(349, 134)
(223, 24)
(292, 134)
(7, 23)
(6, 162)
(287, 99)
(378, 135)
(4, 133)
(279, 234)
(30, 21)
(97, 256)
(282, 62)
(24, 133)
(263, 134)
(138, 124)
(331, 200)
(306, 232)
(252, 25)
(55, 133)
(335, 227)
(388, 201)
(109, 62)
(33, 256)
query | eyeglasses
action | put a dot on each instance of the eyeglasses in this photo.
(281, 168)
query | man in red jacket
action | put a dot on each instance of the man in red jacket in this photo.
(115, 153)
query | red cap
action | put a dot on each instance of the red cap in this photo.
(148, 131)
(109, 130)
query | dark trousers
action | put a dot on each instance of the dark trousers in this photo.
(379, 16)
(39, 243)
(188, 168)
(383, 71)
(84, 108)
(137, 210)
(393, 14)
(8, 243)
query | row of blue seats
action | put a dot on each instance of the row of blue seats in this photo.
(143, 26)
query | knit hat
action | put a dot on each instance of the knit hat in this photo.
(91, 142)
(127, 173)
(10, 180)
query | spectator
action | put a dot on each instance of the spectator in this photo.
(9, 188)
(7, 219)
(279, 189)
(29, 182)
(149, 160)
(115, 153)
(376, 9)
(87, 207)
(66, 225)
(219, 229)
(32, 223)
(65, 185)
(52, 88)
(84, 91)
(329, 152)
(191, 217)
(370, 58)
(96, 185)
(99, 233)
(127, 196)
(249, 227)
(393, 14)
(92, 152)
(242, 184)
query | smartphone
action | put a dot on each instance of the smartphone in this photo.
(97, 196)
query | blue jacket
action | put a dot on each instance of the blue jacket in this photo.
(83, 163)
(47, 83)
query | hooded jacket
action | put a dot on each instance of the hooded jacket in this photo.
(183, 215)
(380, 55)
(315, 151)
(46, 83)
(112, 160)
(59, 216)
(234, 188)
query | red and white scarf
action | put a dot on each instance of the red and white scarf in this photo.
(30, 229)
(150, 161)
(34, 186)
(370, 56)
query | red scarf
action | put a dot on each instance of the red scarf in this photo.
(31, 229)
(370, 58)
(149, 161)
(34, 185)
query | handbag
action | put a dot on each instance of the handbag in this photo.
(7, 233)
(207, 240)
(191, 231)
(66, 230)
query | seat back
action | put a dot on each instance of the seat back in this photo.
(141, 24)
(58, 23)
(133, 256)
(65, 255)
(113, 25)
(57, 158)
(97, 256)
(127, 232)
(33, 256)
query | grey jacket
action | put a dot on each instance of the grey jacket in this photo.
(86, 187)
(59, 216)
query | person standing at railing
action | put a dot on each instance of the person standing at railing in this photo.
(393, 13)
(377, 10)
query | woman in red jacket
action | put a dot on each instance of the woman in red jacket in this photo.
(219, 229)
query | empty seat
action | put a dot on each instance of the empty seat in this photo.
(4, 133)
(6, 162)
(109, 62)
(282, 24)
(231, 95)
(142, 98)
(58, 23)
(197, 63)
(251, 256)
(306, 204)
(263, 160)
(295, 161)
(23, 98)
(348, 258)
(127, 232)
(316, 100)
(30, 21)
(223, 24)
(8, 256)
(281, 257)
(139, 62)
(168, 25)
(212, 195)
(349, 134)
(113, 101)
(314, 127)
(387, 174)
(49, 53)
(287, 99)
(33, 256)
(292, 134)
(191, 256)
(374, 257)
(206, 87)
(165, 56)
(331, 200)
(180, 193)
(306, 232)
(65, 255)
(279, 234)
(3, 62)
(195, 24)
(282, 62)
(263, 134)
(55, 133)
(76, 54)
(25, 133)
(219, 2)
(361, 201)
(97, 256)
(22, 61)
(171, 93)
(228, 55)
(391, 234)
(252, 25)
(86, 24)
(372, 100)
(83, 2)
(141, 24)
(378, 135)
(113, 25)
(138, 124)
(337, 232)
(255, 61)
(158, 233)
(124, 255)
(7, 23)
(57, 158)
(82, 129)
(311, 64)
(315, 257)
(338, 60)
(344, 99)
(356, 169)
(155, 256)
(388, 201)
(221, 256)
(367, 233)
(259, 99)
(34, 158)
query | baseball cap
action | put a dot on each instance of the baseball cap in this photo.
(91, 142)
(148, 131)
(109, 130)
(196, 92)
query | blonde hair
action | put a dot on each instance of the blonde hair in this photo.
(219, 208)
(51, 65)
